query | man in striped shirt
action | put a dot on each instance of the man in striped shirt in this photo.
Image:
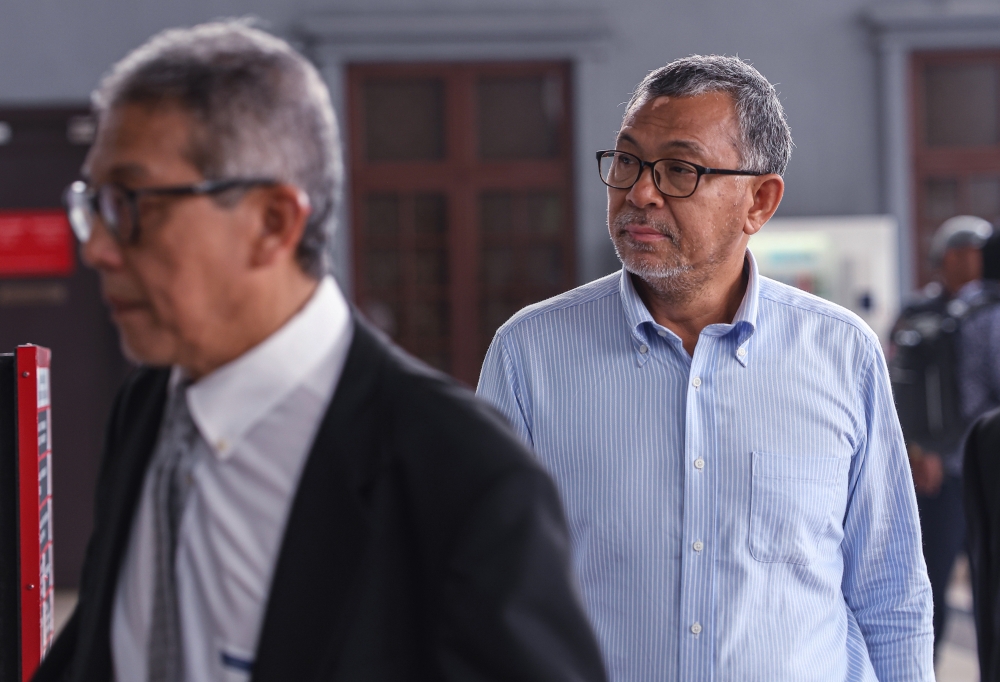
(739, 497)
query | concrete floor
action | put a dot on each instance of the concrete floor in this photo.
(956, 660)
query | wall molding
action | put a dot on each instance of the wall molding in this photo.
(454, 34)
(934, 16)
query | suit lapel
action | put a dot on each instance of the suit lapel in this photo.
(133, 437)
(327, 528)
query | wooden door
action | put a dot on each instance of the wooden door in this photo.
(461, 195)
(956, 142)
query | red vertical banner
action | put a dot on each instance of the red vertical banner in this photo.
(34, 445)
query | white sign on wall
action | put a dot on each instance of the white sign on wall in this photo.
(850, 260)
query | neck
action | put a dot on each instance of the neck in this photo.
(265, 310)
(714, 302)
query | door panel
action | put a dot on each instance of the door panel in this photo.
(456, 231)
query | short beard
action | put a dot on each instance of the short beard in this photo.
(677, 281)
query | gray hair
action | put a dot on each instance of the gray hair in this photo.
(765, 143)
(261, 110)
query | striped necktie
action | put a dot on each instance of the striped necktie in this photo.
(173, 464)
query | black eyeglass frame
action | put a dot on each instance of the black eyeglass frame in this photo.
(701, 170)
(91, 195)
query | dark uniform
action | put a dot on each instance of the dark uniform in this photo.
(924, 370)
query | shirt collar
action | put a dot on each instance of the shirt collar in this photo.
(744, 323)
(226, 403)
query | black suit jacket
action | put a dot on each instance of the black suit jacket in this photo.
(981, 481)
(423, 542)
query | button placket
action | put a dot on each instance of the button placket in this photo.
(697, 568)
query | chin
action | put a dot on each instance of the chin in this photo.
(644, 261)
(148, 350)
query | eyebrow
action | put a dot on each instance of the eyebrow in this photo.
(685, 145)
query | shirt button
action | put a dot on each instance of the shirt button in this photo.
(696, 629)
(741, 352)
(643, 348)
(662, 333)
(696, 382)
(698, 545)
(699, 463)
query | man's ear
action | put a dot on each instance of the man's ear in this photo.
(767, 192)
(283, 211)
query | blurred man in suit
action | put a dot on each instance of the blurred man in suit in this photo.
(284, 496)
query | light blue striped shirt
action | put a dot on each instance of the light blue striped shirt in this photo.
(745, 514)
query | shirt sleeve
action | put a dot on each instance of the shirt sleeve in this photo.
(885, 580)
(498, 386)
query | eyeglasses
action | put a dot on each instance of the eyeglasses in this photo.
(673, 177)
(118, 206)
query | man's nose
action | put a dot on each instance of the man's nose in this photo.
(101, 251)
(644, 192)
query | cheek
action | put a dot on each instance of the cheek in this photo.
(169, 287)
(615, 200)
(187, 277)
(725, 214)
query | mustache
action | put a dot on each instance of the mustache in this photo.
(626, 218)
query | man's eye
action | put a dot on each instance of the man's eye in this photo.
(625, 161)
(681, 170)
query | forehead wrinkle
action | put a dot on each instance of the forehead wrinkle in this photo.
(731, 120)
(138, 143)
(684, 145)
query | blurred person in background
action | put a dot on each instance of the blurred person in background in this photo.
(980, 371)
(283, 495)
(979, 360)
(734, 475)
(925, 356)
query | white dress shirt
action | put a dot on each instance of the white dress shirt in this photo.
(258, 416)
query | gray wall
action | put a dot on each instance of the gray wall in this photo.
(818, 53)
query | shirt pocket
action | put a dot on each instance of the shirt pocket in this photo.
(790, 505)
